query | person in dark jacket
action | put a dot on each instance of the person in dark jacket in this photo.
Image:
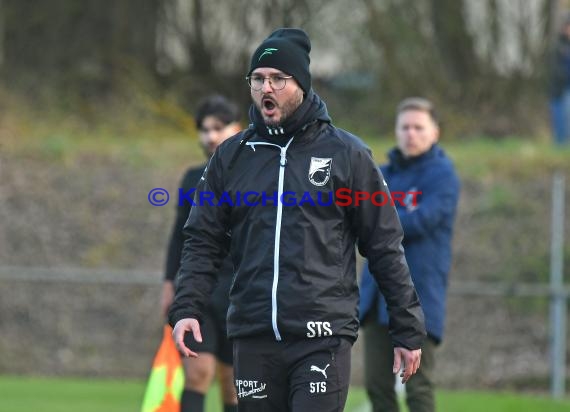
(420, 169)
(270, 196)
(560, 86)
(216, 120)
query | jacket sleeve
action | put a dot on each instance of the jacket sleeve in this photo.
(205, 246)
(368, 292)
(380, 240)
(438, 203)
(176, 243)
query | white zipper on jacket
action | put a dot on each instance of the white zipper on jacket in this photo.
(282, 163)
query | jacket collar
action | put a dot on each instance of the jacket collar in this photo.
(311, 110)
(398, 161)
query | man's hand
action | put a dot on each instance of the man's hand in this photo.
(180, 329)
(166, 297)
(408, 361)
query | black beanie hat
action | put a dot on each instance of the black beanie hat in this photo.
(286, 50)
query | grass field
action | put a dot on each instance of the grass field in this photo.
(21, 394)
(82, 149)
(66, 139)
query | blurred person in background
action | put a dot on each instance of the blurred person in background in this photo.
(419, 167)
(560, 86)
(294, 299)
(216, 119)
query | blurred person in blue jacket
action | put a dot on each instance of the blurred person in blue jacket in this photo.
(418, 167)
(560, 86)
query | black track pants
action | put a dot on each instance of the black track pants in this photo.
(307, 375)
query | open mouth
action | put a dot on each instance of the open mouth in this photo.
(269, 106)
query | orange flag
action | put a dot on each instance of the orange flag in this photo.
(166, 381)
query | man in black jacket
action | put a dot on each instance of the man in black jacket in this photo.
(290, 197)
(216, 119)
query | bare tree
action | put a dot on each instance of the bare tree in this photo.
(66, 41)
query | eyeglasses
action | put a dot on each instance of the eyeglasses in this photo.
(277, 82)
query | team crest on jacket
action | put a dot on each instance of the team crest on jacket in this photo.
(320, 171)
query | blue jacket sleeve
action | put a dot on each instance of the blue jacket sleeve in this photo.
(380, 237)
(438, 202)
(368, 292)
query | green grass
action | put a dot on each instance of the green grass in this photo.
(66, 395)
(498, 402)
(484, 158)
(160, 134)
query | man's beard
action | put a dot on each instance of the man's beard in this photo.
(287, 109)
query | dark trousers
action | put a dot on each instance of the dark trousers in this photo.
(306, 375)
(378, 362)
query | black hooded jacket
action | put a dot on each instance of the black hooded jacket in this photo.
(268, 195)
